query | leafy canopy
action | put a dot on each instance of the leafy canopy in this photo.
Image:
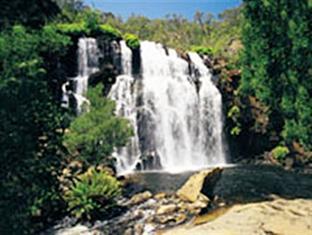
(30, 124)
(277, 38)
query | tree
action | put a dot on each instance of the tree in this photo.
(277, 37)
(93, 136)
(204, 21)
(30, 138)
(33, 13)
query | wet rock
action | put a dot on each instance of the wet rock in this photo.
(137, 214)
(183, 207)
(77, 230)
(140, 198)
(289, 162)
(160, 196)
(180, 218)
(202, 198)
(196, 205)
(129, 231)
(149, 204)
(166, 209)
(173, 219)
(164, 219)
(150, 160)
(138, 229)
(191, 190)
(136, 61)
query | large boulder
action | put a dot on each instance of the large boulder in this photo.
(200, 182)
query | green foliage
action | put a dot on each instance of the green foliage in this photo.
(77, 29)
(276, 70)
(132, 41)
(91, 18)
(91, 193)
(202, 50)
(178, 32)
(88, 29)
(280, 152)
(94, 135)
(52, 42)
(30, 129)
(234, 115)
(32, 13)
(235, 131)
(108, 29)
(234, 112)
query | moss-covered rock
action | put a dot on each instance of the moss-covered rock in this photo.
(132, 41)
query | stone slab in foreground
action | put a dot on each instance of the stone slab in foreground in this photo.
(278, 217)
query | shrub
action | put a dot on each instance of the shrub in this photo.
(234, 112)
(111, 31)
(202, 50)
(92, 193)
(280, 152)
(74, 29)
(132, 41)
(94, 135)
(234, 115)
(236, 131)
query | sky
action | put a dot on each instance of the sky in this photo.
(160, 8)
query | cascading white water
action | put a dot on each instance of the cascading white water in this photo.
(125, 96)
(210, 104)
(173, 122)
(88, 56)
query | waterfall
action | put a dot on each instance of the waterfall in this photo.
(124, 95)
(88, 60)
(174, 108)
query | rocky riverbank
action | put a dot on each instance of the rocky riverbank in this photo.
(237, 200)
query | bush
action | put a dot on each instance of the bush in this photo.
(94, 135)
(280, 152)
(202, 50)
(234, 112)
(111, 31)
(88, 29)
(132, 41)
(236, 131)
(234, 115)
(74, 29)
(92, 193)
